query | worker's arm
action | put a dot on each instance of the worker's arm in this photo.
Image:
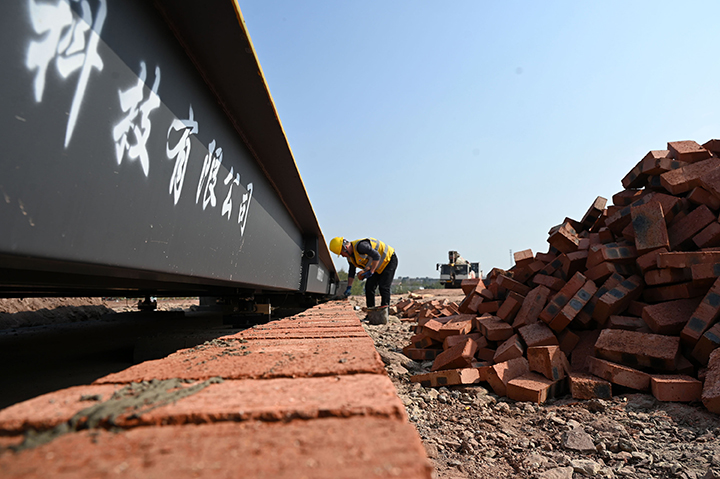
(364, 247)
(374, 265)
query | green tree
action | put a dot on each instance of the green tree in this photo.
(358, 286)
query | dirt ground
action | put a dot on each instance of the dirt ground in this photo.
(469, 432)
(17, 313)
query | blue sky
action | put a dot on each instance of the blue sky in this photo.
(476, 126)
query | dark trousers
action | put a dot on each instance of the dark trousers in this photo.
(383, 281)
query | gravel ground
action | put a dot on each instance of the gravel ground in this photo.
(469, 432)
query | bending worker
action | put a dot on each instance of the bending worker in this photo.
(377, 261)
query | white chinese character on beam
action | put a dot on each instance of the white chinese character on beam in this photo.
(208, 176)
(181, 151)
(137, 120)
(71, 42)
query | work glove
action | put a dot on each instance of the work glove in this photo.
(365, 274)
(347, 291)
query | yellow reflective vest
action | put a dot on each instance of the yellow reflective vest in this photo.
(362, 261)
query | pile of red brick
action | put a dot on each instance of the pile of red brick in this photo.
(410, 309)
(629, 295)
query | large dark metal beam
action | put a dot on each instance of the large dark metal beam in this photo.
(142, 151)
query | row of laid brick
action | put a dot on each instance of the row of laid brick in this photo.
(305, 396)
(629, 295)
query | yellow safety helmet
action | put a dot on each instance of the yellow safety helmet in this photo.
(336, 245)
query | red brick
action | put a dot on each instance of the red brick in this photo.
(417, 354)
(510, 349)
(549, 361)
(357, 446)
(619, 374)
(573, 307)
(468, 285)
(231, 400)
(605, 235)
(485, 354)
(510, 307)
(666, 276)
(616, 300)
(533, 387)
(311, 357)
(649, 261)
(421, 341)
(638, 349)
(634, 179)
(618, 254)
(584, 349)
(712, 146)
(562, 297)
(545, 257)
(675, 291)
(659, 161)
(704, 316)
(567, 341)
(572, 263)
(593, 212)
(537, 334)
(595, 256)
(551, 267)
(432, 329)
(708, 342)
(669, 317)
(628, 233)
(709, 237)
(701, 196)
(494, 328)
(587, 386)
(710, 182)
(682, 231)
(648, 223)
(676, 388)
(451, 341)
(524, 257)
(553, 283)
(604, 270)
(460, 324)
(585, 315)
(475, 302)
(627, 197)
(531, 307)
(488, 307)
(491, 292)
(654, 163)
(564, 238)
(711, 389)
(524, 273)
(628, 323)
(686, 178)
(512, 285)
(450, 377)
(635, 308)
(687, 150)
(687, 259)
(623, 217)
(464, 307)
(501, 374)
(459, 356)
